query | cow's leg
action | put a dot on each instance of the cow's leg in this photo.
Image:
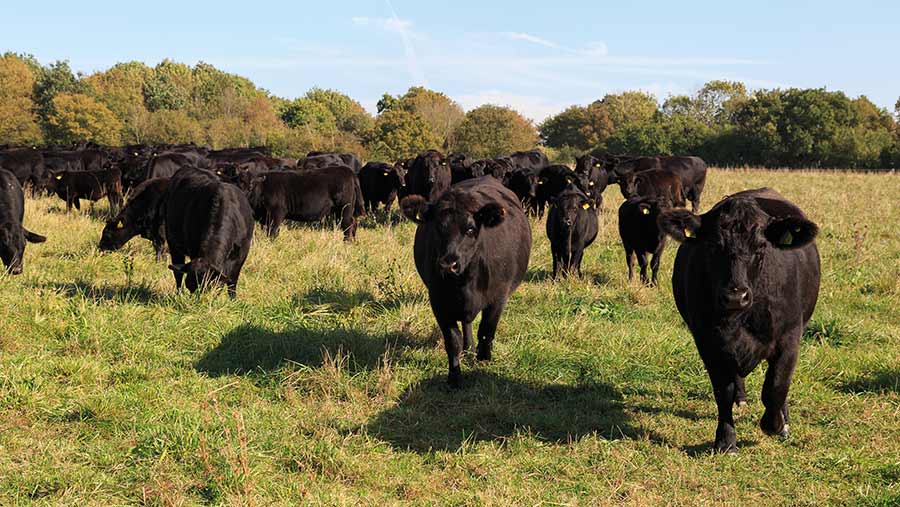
(724, 389)
(77, 202)
(490, 317)
(177, 258)
(629, 260)
(555, 263)
(453, 344)
(775, 391)
(576, 261)
(642, 262)
(274, 219)
(740, 392)
(467, 335)
(348, 223)
(654, 264)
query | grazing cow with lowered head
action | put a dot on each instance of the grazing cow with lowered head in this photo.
(641, 235)
(428, 176)
(380, 183)
(306, 196)
(690, 170)
(142, 215)
(471, 250)
(746, 281)
(571, 227)
(210, 222)
(12, 234)
(663, 186)
(72, 186)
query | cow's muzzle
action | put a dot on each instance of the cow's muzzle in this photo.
(737, 298)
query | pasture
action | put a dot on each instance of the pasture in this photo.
(323, 383)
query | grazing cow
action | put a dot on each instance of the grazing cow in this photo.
(552, 180)
(533, 159)
(379, 183)
(595, 172)
(657, 184)
(571, 227)
(212, 223)
(462, 169)
(72, 186)
(318, 160)
(471, 251)
(12, 234)
(143, 214)
(26, 164)
(496, 167)
(691, 171)
(641, 235)
(429, 175)
(306, 196)
(523, 183)
(746, 281)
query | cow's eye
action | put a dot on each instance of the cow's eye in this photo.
(470, 231)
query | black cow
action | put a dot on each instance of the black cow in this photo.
(461, 168)
(597, 175)
(534, 160)
(552, 180)
(496, 167)
(318, 160)
(26, 164)
(12, 234)
(641, 235)
(571, 227)
(523, 183)
(663, 186)
(306, 196)
(380, 183)
(143, 214)
(471, 250)
(212, 223)
(691, 171)
(428, 176)
(746, 281)
(72, 186)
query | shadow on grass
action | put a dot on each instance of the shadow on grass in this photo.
(873, 382)
(431, 416)
(707, 448)
(138, 293)
(249, 349)
(343, 301)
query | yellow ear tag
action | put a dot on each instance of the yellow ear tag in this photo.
(585, 206)
(418, 216)
(540, 182)
(385, 174)
(647, 212)
(120, 225)
(688, 233)
(568, 180)
(59, 176)
(590, 183)
(597, 164)
(787, 239)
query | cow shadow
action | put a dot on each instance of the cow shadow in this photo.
(140, 293)
(539, 275)
(880, 381)
(708, 448)
(251, 349)
(339, 300)
(431, 416)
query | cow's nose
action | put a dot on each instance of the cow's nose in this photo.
(568, 221)
(738, 298)
(450, 266)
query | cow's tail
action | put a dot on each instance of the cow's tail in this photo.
(359, 208)
(32, 237)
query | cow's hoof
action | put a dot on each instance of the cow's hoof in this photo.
(741, 403)
(725, 447)
(483, 354)
(774, 426)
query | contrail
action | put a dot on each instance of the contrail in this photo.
(412, 61)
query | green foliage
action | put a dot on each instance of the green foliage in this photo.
(492, 131)
(77, 118)
(399, 133)
(168, 126)
(349, 115)
(309, 115)
(169, 87)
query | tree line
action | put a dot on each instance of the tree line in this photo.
(724, 123)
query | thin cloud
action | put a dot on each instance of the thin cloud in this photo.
(531, 38)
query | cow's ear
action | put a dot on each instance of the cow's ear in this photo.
(791, 232)
(490, 215)
(681, 224)
(415, 208)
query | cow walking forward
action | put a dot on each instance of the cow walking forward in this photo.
(212, 223)
(471, 250)
(571, 227)
(746, 281)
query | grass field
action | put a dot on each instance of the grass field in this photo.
(323, 383)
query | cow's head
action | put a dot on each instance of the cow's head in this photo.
(735, 238)
(455, 224)
(430, 165)
(198, 273)
(569, 204)
(523, 183)
(116, 233)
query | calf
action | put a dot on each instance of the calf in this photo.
(746, 281)
(143, 215)
(12, 234)
(379, 183)
(212, 223)
(571, 227)
(641, 235)
(429, 175)
(307, 196)
(663, 186)
(72, 186)
(471, 251)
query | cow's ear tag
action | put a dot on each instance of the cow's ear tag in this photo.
(597, 164)
(59, 176)
(120, 225)
(568, 180)
(688, 233)
(787, 239)
(586, 206)
(646, 211)
(418, 215)
(385, 173)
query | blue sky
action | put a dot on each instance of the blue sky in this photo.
(536, 56)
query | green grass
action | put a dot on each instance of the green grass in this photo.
(323, 382)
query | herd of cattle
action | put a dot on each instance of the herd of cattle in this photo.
(745, 278)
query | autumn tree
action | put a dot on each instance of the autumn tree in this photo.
(399, 133)
(18, 121)
(78, 118)
(492, 131)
